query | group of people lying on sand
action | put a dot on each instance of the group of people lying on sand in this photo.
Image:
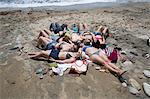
(62, 44)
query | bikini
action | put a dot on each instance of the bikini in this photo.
(50, 45)
(97, 33)
(55, 54)
(85, 47)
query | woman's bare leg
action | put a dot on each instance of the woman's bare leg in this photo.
(107, 62)
(100, 29)
(44, 54)
(81, 27)
(43, 40)
(48, 31)
(98, 59)
(85, 26)
(43, 33)
(105, 30)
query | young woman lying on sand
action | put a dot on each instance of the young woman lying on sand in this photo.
(54, 32)
(83, 27)
(97, 38)
(50, 44)
(98, 56)
(50, 35)
(100, 37)
(56, 55)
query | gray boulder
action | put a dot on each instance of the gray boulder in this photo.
(134, 84)
(133, 90)
(146, 88)
(147, 73)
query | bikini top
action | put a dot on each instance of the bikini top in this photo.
(85, 47)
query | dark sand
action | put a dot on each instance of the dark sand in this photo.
(129, 24)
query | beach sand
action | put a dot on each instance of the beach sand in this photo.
(129, 24)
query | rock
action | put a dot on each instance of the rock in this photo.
(98, 68)
(140, 76)
(124, 84)
(148, 42)
(135, 84)
(134, 53)
(146, 88)
(123, 52)
(144, 37)
(5, 45)
(111, 41)
(127, 65)
(7, 25)
(147, 73)
(3, 64)
(133, 91)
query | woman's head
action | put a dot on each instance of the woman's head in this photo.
(87, 42)
(75, 48)
(66, 38)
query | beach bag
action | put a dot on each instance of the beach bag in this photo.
(113, 56)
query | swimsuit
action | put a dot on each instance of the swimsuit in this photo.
(54, 37)
(85, 47)
(97, 33)
(50, 45)
(55, 54)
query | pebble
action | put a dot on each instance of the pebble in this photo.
(140, 76)
(147, 73)
(146, 88)
(134, 84)
(5, 63)
(98, 68)
(124, 84)
(133, 91)
(148, 42)
(127, 65)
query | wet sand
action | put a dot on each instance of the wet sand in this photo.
(129, 24)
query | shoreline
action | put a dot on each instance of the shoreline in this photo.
(76, 7)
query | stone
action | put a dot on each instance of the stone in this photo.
(141, 76)
(98, 68)
(134, 84)
(124, 84)
(146, 88)
(148, 42)
(3, 64)
(147, 73)
(144, 37)
(127, 65)
(133, 90)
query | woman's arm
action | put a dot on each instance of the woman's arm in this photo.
(94, 38)
(70, 60)
(48, 31)
(102, 40)
(58, 45)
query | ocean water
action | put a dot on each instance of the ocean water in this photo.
(37, 3)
